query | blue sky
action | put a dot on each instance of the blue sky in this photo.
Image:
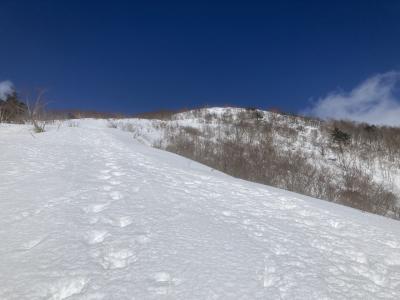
(128, 56)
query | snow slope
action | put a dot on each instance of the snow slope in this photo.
(89, 213)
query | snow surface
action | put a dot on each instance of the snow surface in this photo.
(89, 213)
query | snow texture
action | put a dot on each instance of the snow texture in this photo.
(89, 213)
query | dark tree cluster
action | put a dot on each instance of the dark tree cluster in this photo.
(12, 109)
(339, 136)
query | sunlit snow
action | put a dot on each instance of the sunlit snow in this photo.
(89, 213)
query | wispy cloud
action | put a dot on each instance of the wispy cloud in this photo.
(376, 101)
(6, 89)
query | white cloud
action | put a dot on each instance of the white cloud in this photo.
(376, 101)
(6, 88)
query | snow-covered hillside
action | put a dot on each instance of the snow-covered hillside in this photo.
(87, 212)
(290, 152)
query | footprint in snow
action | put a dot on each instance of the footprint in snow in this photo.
(125, 221)
(162, 283)
(93, 220)
(142, 239)
(117, 258)
(22, 215)
(246, 221)
(115, 182)
(32, 243)
(117, 173)
(96, 208)
(392, 244)
(227, 213)
(66, 287)
(121, 222)
(116, 195)
(270, 277)
(393, 259)
(107, 188)
(104, 177)
(336, 224)
(96, 236)
(162, 277)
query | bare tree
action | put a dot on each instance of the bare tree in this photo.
(36, 112)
